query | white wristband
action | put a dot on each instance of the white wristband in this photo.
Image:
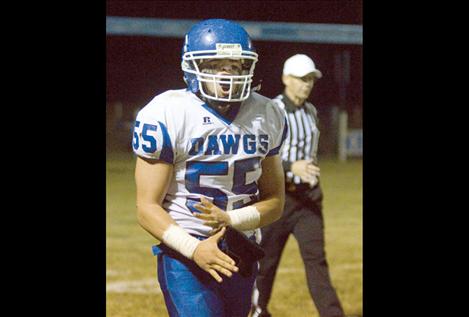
(178, 239)
(246, 218)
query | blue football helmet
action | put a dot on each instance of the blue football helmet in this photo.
(218, 39)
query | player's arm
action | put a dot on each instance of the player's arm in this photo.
(267, 210)
(272, 190)
(152, 182)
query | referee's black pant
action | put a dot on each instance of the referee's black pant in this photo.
(303, 218)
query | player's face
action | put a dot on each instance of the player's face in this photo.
(221, 67)
(300, 86)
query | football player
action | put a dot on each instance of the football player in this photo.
(208, 158)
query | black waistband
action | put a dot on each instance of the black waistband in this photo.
(300, 188)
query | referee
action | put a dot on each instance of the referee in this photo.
(302, 215)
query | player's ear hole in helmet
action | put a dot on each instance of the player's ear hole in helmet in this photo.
(218, 39)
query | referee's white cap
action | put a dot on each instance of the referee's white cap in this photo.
(300, 65)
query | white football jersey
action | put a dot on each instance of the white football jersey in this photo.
(218, 157)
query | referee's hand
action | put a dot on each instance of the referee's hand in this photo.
(313, 170)
(306, 170)
(211, 259)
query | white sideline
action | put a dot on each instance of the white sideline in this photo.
(146, 286)
(151, 286)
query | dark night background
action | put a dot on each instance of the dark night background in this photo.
(140, 67)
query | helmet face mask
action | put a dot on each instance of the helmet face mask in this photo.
(209, 43)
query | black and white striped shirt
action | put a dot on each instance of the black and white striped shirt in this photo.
(302, 140)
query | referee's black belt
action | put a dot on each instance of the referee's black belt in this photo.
(291, 187)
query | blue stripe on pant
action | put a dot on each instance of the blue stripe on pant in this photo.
(191, 292)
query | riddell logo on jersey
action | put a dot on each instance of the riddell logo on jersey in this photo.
(207, 120)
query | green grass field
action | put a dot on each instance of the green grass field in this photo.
(132, 287)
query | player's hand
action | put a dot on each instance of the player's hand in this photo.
(211, 259)
(212, 215)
